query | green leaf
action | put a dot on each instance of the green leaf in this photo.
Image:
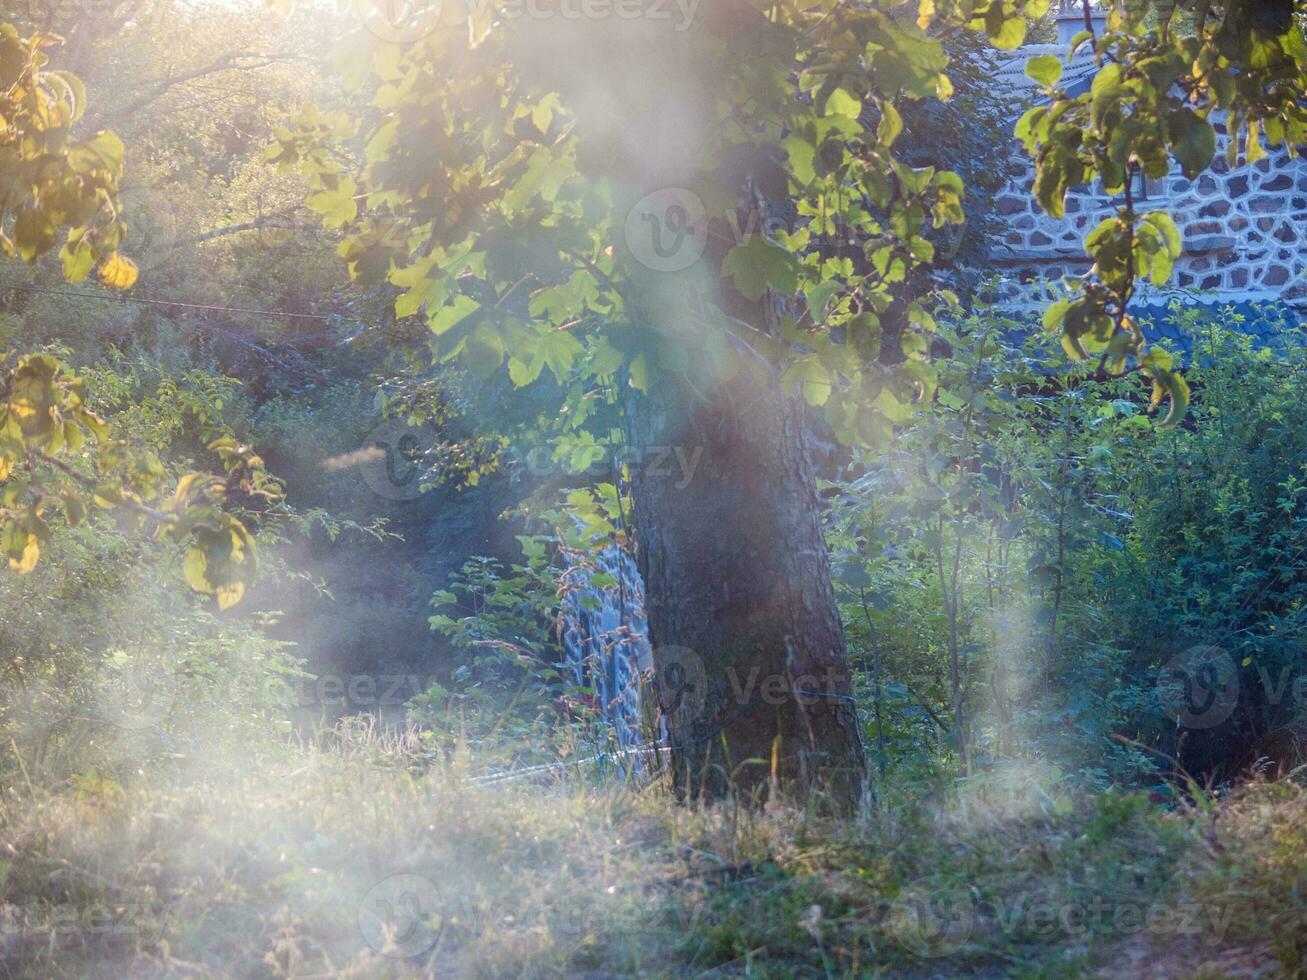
(810, 378)
(75, 508)
(559, 349)
(452, 314)
(336, 203)
(818, 295)
(639, 373)
(841, 103)
(425, 286)
(1004, 32)
(484, 351)
(1178, 390)
(78, 259)
(542, 113)
(1167, 229)
(1253, 149)
(1059, 168)
(802, 155)
(891, 123)
(104, 151)
(1030, 127)
(1046, 69)
(760, 264)
(891, 407)
(1105, 91)
(523, 373)
(34, 233)
(1056, 314)
(1193, 141)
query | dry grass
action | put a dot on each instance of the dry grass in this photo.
(358, 859)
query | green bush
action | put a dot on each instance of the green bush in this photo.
(1018, 568)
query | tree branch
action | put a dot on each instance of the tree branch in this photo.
(267, 221)
(228, 62)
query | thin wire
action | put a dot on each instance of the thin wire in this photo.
(510, 775)
(164, 302)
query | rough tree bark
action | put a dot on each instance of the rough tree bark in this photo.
(752, 672)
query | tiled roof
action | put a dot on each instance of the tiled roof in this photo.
(1270, 324)
(1076, 75)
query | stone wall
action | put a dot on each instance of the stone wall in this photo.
(1243, 230)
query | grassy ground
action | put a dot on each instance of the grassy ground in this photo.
(354, 860)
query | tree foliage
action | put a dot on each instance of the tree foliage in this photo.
(497, 193)
(1166, 82)
(56, 454)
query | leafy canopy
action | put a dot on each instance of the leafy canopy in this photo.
(502, 158)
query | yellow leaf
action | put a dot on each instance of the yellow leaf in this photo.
(118, 272)
(1253, 147)
(229, 595)
(31, 555)
(195, 569)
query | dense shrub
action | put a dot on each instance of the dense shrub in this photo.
(1024, 563)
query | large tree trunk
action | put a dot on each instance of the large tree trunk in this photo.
(751, 668)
